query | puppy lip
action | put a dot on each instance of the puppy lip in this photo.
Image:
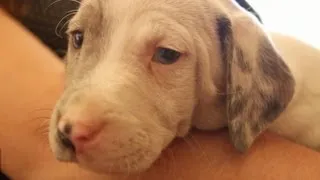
(71, 158)
(69, 154)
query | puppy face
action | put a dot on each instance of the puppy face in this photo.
(140, 73)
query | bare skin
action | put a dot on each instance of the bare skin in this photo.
(28, 97)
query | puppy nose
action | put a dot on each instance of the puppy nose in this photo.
(79, 134)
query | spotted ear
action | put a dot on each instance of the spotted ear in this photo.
(259, 84)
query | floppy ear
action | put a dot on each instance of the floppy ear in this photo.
(259, 84)
(244, 4)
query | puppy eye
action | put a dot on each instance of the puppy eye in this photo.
(166, 56)
(77, 39)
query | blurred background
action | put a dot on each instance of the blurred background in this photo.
(298, 18)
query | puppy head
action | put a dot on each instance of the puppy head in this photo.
(139, 72)
(130, 86)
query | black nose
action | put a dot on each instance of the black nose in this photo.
(65, 141)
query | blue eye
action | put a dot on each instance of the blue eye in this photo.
(166, 56)
(77, 39)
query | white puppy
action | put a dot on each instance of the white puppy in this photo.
(142, 72)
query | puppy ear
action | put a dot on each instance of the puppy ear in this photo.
(259, 84)
(244, 4)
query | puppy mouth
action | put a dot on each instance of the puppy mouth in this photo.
(65, 142)
(67, 151)
(111, 159)
(70, 159)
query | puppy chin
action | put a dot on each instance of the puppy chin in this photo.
(64, 155)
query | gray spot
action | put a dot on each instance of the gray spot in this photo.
(272, 64)
(257, 127)
(241, 62)
(277, 74)
(238, 134)
(237, 105)
(224, 32)
(272, 109)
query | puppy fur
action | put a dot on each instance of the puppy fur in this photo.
(231, 73)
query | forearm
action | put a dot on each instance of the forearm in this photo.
(31, 80)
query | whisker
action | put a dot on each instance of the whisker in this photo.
(71, 11)
(41, 118)
(139, 173)
(43, 133)
(68, 14)
(56, 1)
(64, 25)
(189, 143)
(128, 167)
(41, 110)
(165, 160)
(44, 121)
(174, 169)
(42, 130)
(110, 168)
(202, 151)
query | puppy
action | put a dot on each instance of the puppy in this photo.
(142, 72)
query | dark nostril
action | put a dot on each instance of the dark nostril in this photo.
(66, 142)
(67, 129)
